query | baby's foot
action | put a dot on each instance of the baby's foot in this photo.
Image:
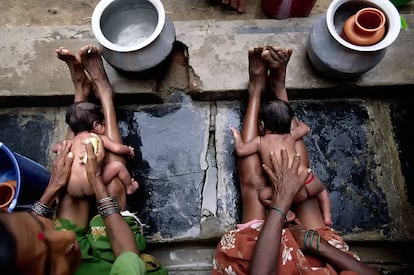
(132, 187)
(327, 219)
(290, 216)
(79, 78)
(92, 62)
(257, 72)
(276, 60)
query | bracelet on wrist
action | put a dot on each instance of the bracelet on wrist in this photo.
(310, 234)
(277, 209)
(106, 199)
(44, 210)
(108, 206)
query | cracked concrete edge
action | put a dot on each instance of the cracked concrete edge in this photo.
(217, 54)
(389, 173)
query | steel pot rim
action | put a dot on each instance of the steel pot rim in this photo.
(96, 29)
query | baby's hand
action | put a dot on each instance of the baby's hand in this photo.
(235, 132)
(131, 152)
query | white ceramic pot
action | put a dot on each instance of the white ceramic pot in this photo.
(134, 35)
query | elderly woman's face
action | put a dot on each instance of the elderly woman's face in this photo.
(40, 249)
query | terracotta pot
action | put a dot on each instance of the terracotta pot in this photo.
(365, 28)
(7, 191)
(336, 58)
(29, 178)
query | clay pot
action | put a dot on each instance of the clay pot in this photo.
(7, 191)
(365, 28)
(25, 180)
(335, 57)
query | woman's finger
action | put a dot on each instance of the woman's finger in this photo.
(296, 163)
(268, 171)
(285, 159)
(89, 149)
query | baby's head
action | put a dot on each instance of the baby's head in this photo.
(276, 116)
(85, 116)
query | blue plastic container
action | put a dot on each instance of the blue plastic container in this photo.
(31, 177)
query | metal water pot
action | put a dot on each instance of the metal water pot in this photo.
(333, 56)
(134, 35)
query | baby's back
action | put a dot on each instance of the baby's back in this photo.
(275, 143)
(78, 185)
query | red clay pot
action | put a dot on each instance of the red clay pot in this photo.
(365, 28)
(7, 191)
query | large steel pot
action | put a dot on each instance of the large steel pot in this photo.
(333, 56)
(134, 35)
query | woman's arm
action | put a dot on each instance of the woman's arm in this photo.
(332, 255)
(342, 260)
(60, 173)
(119, 233)
(285, 183)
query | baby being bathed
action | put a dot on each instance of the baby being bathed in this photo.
(87, 122)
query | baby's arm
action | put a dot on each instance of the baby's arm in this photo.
(244, 149)
(300, 130)
(117, 148)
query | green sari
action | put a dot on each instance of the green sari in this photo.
(97, 256)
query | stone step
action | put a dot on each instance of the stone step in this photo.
(360, 143)
(187, 259)
(215, 51)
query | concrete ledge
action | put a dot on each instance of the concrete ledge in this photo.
(217, 52)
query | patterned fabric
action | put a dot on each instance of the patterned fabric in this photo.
(235, 250)
(97, 256)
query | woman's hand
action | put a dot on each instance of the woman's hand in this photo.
(285, 181)
(93, 163)
(62, 165)
(60, 172)
(93, 169)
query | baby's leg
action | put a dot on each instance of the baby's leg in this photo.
(317, 188)
(92, 62)
(116, 168)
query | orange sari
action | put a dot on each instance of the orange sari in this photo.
(235, 250)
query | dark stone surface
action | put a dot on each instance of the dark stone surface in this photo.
(229, 205)
(340, 156)
(170, 143)
(402, 120)
(27, 133)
